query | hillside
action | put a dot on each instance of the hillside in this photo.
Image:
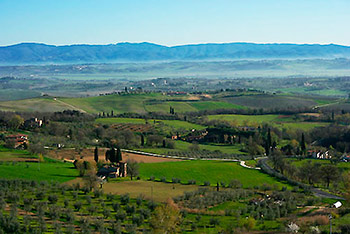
(156, 102)
(30, 53)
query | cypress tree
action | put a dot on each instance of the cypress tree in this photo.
(302, 143)
(119, 155)
(96, 154)
(112, 156)
(142, 140)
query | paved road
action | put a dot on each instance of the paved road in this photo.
(317, 192)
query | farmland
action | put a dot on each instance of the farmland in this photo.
(176, 124)
(281, 121)
(201, 171)
(157, 102)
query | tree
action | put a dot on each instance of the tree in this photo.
(96, 154)
(15, 122)
(309, 171)
(112, 156)
(119, 155)
(302, 143)
(165, 219)
(90, 179)
(132, 168)
(329, 173)
(142, 140)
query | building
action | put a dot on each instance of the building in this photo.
(111, 171)
(18, 140)
(33, 123)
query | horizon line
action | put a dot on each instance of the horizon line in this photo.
(176, 45)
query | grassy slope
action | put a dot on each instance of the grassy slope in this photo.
(35, 104)
(172, 123)
(117, 103)
(213, 171)
(251, 118)
(278, 120)
(48, 171)
(12, 154)
(213, 105)
(183, 146)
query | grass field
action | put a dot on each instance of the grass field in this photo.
(341, 165)
(280, 121)
(15, 155)
(160, 191)
(178, 124)
(271, 101)
(36, 104)
(241, 119)
(49, 171)
(214, 105)
(212, 171)
(20, 164)
(183, 146)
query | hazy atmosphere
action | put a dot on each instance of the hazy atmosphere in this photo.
(182, 116)
(168, 22)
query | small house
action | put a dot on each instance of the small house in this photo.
(18, 140)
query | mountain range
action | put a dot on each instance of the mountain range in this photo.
(34, 53)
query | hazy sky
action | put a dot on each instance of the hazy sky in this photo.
(174, 22)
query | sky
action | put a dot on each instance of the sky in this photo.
(174, 22)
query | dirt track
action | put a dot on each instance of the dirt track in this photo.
(88, 154)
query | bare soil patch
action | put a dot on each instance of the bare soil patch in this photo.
(88, 154)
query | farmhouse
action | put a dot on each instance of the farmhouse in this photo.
(33, 123)
(319, 154)
(113, 171)
(18, 140)
(345, 158)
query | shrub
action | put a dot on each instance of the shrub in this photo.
(110, 197)
(53, 198)
(116, 206)
(214, 221)
(206, 183)
(124, 199)
(192, 182)
(120, 216)
(77, 205)
(175, 180)
(162, 179)
(235, 184)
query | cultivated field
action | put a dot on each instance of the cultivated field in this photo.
(211, 171)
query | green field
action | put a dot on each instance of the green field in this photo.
(280, 121)
(13, 155)
(183, 146)
(214, 105)
(341, 165)
(49, 171)
(212, 171)
(20, 164)
(42, 104)
(178, 124)
(241, 119)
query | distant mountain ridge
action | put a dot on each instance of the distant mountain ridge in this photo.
(30, 53)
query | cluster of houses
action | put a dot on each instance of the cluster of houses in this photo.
(319, 154)
(18, 141)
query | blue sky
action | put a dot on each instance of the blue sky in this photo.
(174, 22)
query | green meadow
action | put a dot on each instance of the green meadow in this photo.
(178, 124)
(212, 171)
(49, 171)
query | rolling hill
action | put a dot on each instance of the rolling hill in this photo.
(31, 53)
